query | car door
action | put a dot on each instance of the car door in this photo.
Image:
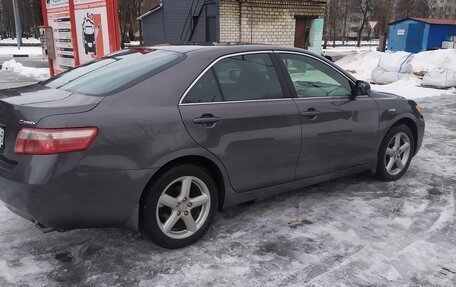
(239, 111)
(339, 131)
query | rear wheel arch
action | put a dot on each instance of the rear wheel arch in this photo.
(201, 161)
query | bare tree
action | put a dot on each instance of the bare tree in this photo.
(414, 8)
(406, 8)
(347, 8)
(333, 20)
(426, 7)
(31, 17)
(383, 13)
(129, 11)
(325, 27)
(366, 8)
(6, 19)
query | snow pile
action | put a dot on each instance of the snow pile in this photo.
(440, 79)
(361, 64)
(432, 69)
(438, 67)
(411, 87)
(392, 67)
(434, 60)
(36, 73)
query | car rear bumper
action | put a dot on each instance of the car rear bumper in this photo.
(76, 200)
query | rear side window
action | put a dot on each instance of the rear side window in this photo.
(116, 71)
(206, 90)
(240, 78)
(248, 77)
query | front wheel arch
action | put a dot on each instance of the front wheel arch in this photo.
(412, 126)
(380, 169)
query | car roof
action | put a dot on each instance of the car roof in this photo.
(225, 48)
(219, 50)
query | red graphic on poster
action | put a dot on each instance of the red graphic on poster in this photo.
(100, 44)
(92, 34)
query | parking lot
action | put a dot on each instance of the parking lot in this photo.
(355, 231)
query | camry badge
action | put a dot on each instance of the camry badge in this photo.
(28, 123)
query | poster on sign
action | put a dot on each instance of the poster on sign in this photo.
(58, 18)
(82, 30)
(91, 18)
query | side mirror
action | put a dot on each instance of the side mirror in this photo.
(362, 88)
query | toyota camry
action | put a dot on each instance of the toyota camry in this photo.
(161, 138)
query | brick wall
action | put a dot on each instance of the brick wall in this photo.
(268, 22)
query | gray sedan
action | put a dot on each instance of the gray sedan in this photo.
(161, 138)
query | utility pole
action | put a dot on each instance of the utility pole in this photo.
(17, 19)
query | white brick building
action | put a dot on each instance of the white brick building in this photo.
(289, 23)
(281, 22)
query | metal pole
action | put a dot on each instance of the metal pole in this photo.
(17, 19)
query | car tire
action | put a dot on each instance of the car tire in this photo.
(179, 206)
(395, 154)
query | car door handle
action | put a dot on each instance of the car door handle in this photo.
(311, 114)
(207, 120)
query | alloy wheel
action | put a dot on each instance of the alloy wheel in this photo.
(397, 154)
(183, 207)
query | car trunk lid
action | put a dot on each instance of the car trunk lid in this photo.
(25, 107)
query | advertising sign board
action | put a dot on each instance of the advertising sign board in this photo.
(82, 30)
(58, 18)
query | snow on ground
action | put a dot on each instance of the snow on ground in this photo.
(12, 50)
(349, 47)
(133, 43)
(38, 74)
(361, 64)
(355, 231)
(351, 43)
(344, 51)
(24, 41)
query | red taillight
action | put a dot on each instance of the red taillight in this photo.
(53, 141)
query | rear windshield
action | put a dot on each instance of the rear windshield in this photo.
(116, 71)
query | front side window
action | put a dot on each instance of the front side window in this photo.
(313, 78)
(112, 72)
